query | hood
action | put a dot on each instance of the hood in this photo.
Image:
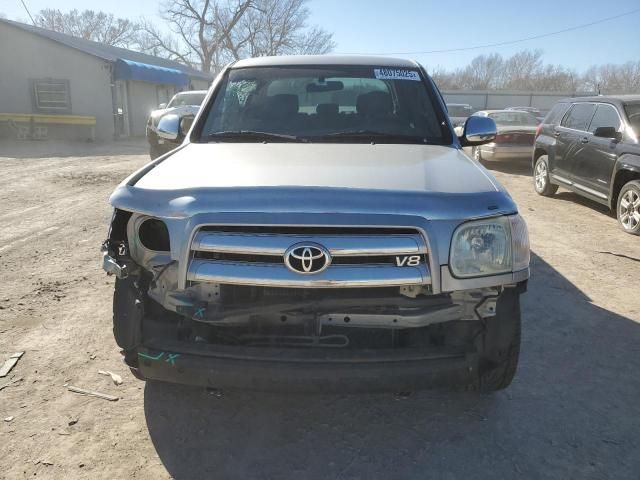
(408, 168)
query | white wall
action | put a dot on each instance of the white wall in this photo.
(25, 56)
(143, 98)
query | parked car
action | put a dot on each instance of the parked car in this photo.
(590, 145)
(183, 103)
(319, 228)
(458, 113)
(514, 141)
(532, 110)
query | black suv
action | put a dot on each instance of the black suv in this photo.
(591, 145)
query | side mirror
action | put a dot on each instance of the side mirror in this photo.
(608, 132)
(185, 124)
(169, 128)
(162, 105)
(174, 127)
(477, 131)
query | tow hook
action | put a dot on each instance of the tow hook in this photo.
(110, 264)
(487, 308)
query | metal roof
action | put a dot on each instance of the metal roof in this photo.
(106, 52)
(363, 60)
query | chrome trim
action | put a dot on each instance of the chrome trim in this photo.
(275, 275)
(590, 191)
(307, 258)
(432, 259)
(579, 186)
(478, 130)
(337, 245)
(169, 127)
(561, 179)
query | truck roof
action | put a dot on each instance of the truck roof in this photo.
(362, 60)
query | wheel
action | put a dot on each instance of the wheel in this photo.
(500, 348)
(477, 156)
(541, 180)
(628, 210)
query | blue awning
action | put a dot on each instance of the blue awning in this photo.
(144, 72)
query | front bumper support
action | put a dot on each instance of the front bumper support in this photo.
(267, 369)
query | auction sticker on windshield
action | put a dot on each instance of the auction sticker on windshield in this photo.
(396, 74)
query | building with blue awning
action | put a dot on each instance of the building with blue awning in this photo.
(62, 80)
(145, 72)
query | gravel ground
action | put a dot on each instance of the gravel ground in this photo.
(572, 411)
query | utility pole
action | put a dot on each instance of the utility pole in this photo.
(28, 12)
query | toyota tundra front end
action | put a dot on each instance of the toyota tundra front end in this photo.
(319, 229)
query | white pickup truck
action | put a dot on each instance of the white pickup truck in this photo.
(319, 228)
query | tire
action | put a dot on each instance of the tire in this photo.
(628, 207)
(501, 345)
(541, 181)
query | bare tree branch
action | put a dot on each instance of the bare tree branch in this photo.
(525, 70)
(97, 26)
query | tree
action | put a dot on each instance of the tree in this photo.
(198, 30)
(97, 26)
(208, 33)
(555, 78)
(277, 27)
(521, 68)
(611, 78)
(483, 73)
(525, 70)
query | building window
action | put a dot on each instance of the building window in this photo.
(51, 96)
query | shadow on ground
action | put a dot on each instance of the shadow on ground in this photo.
(514, 167)
(58, 149)
(572, 412)
(523, 168)
(571, 197)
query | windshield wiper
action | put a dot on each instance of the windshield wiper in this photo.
(253, 135)
(375, 135)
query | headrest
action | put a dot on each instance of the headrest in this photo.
(374, 103)
(327, 109)
(283, 104)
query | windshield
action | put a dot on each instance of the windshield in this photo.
(326, 104)
(183, 99)
(513, 119)
(633, 114)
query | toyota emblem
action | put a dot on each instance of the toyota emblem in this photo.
(307, 258)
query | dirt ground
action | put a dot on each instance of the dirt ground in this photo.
(573, 410)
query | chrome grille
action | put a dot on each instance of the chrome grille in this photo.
(361, 257)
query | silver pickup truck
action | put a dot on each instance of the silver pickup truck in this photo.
(319, 229)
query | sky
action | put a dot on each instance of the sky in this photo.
(401, 26)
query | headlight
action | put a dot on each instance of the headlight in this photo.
(490, 247)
